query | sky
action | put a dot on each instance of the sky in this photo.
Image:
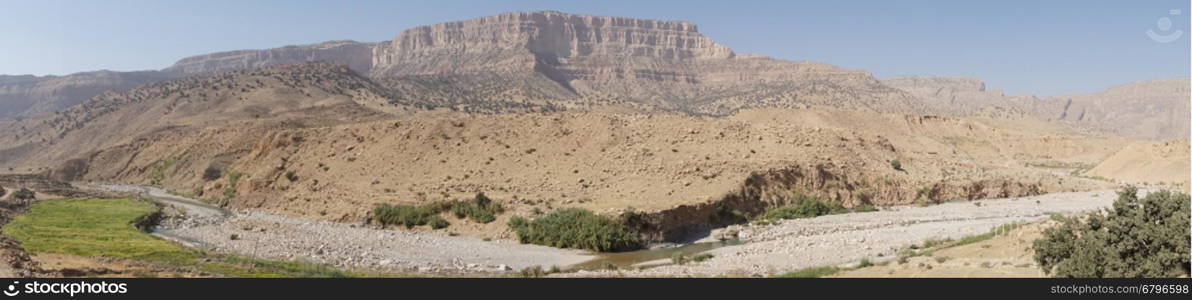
(1021, 47)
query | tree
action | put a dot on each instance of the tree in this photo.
(1147, 237)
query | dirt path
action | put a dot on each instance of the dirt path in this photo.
(191, 207)
(848, 238)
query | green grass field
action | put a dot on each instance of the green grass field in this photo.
(105, 228)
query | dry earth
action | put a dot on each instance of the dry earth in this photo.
(1008, 254)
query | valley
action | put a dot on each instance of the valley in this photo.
(460, 130)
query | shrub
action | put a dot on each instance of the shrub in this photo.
(804, 207)
(480, 209)
(437, 222)
(815, 272)
(701, 257)
(533, 272)
(865, 208)
(678, 258)
(405, 215)
(1145, 237)
(290, 175)
(897, 165)
(23, 194)
(574, 228)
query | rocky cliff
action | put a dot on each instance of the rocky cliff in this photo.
(666, 64)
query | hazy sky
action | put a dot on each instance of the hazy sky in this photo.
(1039, 47)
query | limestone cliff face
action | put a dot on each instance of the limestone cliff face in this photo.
(358, 57)
(541, 35)
(665, 64)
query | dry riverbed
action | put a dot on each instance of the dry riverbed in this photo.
(848, 238)
(767, 250)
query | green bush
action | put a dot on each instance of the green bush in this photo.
(406, 215)
(437, 222)
(1145, 237)
(290, 175)
(23, 194)
(815, 272)
(480, 209)
(804, 207)
(897, 165)
(574, 228)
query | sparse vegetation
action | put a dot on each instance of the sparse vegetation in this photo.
(291, 176)
(23, 194)
(480, 209)
(405, 215)
(574, 228)
(1140, 237)
(229, 190)
(813, 272)
(896, 164)
(803, 207)
(437, 222)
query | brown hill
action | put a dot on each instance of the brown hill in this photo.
(29, 95)
(288, 95)
(1156, 163)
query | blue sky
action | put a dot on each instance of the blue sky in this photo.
(1038, 47)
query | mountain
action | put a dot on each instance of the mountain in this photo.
(22, 96)
(666, 64)
(28, 95)
(1152, 110)
(551, 61)
(292, 96)
(357, 56)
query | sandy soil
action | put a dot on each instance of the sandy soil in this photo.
(1004, 255)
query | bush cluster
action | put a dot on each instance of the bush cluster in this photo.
(575, 228)
(1139, 237)
(803, 207)
(480, 209)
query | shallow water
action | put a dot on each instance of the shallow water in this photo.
(630, 258)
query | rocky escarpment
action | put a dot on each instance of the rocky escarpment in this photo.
(525, 37)
(356, 55)
(665, 64)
